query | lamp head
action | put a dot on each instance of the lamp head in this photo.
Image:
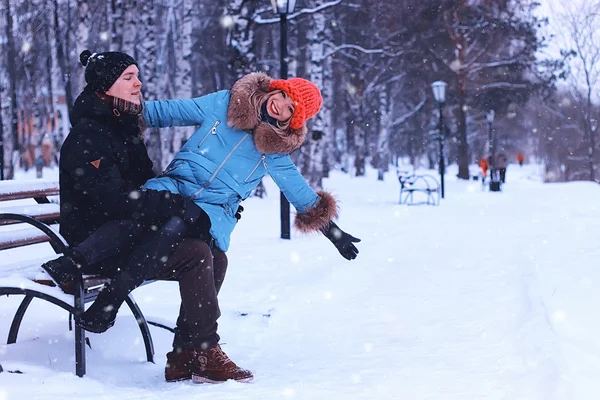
(439, 91)
(283, 6)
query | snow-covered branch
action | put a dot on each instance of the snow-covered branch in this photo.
(264, 21)
(479, 66)
(400, 120)
(351, 46)
(503, 85)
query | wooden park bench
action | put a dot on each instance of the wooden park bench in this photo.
(24, 223)
(426, 187)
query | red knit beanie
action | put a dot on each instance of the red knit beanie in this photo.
(306, 96)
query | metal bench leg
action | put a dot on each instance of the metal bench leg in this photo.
(141, 320)
(79, 332)
(16, 323)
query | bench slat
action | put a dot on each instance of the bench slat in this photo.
(22, 237)
(27, 189)
(24, 242)
(49, 213)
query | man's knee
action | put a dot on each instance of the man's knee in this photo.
(195, 250)
(189, 255)
(220, 267)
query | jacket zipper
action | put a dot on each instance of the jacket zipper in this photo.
(212, 130)
(255, 168)
(212, 177)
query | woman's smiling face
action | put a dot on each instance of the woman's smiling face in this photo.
(280, 106)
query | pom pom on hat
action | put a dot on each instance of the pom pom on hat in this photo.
(306, 96)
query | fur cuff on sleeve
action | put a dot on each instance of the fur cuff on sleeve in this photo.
(319, 216)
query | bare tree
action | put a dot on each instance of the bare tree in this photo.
(582, 24)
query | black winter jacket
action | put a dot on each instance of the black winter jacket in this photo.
(103, 163)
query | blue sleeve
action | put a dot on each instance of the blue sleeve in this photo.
(291, 182)
(189, 112)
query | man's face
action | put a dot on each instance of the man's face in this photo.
(127, 86)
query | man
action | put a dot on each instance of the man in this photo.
(103, 164)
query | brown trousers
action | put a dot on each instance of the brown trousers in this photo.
(200, 272)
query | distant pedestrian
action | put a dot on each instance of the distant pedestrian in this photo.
(501, 164)
(484, 164)
(520, 158)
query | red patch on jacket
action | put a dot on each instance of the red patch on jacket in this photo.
(96, 163)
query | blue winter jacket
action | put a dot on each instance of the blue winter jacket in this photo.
(219, 165)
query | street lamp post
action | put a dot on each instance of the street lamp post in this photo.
(1, 158)
(439, 93)
(283, 8)
(494, 182)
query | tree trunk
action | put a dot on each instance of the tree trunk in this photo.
(129, 29)
(463, 145)
(115, 10)
(321, 123)
(3, 156)
(82, 34)
(51, 68)
(591, 131)
(61, 55)
(240, 38)
(12, 146)
(147, 46)
(183, 73)
(384, 134)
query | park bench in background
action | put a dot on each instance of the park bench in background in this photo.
(417, 189)
(28, 217)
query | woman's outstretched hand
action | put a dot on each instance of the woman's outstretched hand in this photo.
(341, 240)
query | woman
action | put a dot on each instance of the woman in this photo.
(246, 133)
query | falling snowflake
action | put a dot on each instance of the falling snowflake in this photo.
(559, 316)
(351, 89)
(455, 65)
(294, 257)
(226, 21)
(26, 46)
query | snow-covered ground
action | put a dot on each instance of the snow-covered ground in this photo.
(489, 296)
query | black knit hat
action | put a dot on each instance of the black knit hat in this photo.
(103, 69)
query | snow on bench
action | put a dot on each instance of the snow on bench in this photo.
(43, 212)
(27, 273)
(10, 239)
(14, 190)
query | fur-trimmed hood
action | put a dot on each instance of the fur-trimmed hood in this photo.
(242, 115)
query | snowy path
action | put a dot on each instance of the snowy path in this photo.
(489, 296)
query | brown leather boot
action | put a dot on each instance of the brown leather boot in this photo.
(213, 366)
(179, 365)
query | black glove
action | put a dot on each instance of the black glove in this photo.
(341, 240)
(238, 213)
